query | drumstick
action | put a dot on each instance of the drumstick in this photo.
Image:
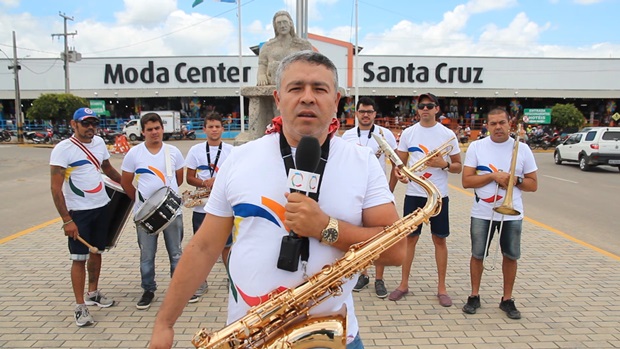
(91, 248)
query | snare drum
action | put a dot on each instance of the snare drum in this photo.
(119, 209)
(158, 211)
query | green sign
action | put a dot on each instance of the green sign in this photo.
(98, 106)
(537, 116)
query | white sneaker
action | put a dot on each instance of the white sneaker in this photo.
(97, 298)
(82, 316)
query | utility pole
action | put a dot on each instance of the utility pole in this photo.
(18, 102)
(65, 55)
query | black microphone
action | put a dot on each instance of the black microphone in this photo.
(293, 247)
(308, 154)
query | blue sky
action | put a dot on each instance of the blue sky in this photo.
(116, 28)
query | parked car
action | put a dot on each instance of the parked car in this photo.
(593, 147)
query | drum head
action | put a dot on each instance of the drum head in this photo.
(152, 204)
(112, 184)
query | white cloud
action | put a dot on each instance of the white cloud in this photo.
(9, 3)
(587, 2)
(147, 13)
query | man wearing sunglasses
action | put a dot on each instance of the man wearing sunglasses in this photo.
(80, 197)
(416, 142)
(366, 112)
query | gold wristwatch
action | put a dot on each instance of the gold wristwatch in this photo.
(329, 235)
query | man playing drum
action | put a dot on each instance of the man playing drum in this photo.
(203, 162)
(155, 165)
(80, 197)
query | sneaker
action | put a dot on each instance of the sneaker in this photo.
(380, 289)
(473, 303)
(145, 300)
(202, 289)
(195, 298)
(508, 306)
(82, 316)
(362, 282)
(97, 298)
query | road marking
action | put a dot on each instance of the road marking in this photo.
(553, 230)
(29, 230)
(561, 179)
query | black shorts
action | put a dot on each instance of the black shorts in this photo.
(93, 226)
(440, 224)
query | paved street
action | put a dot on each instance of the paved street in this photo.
(567, 293)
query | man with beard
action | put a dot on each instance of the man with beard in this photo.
(366, 112)
(80, 197)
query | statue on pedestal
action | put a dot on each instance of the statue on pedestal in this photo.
(262, 105)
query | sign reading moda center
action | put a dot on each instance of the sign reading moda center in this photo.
(120, 74)
(538, 116)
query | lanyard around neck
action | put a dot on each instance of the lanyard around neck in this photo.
(359, 134)
(217, 158)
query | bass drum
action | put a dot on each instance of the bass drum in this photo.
(119, 209)
(158, 211)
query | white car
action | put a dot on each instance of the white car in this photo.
(591, 147)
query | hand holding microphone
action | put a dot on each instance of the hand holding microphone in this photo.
(301, 179)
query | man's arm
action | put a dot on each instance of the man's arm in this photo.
(530, 182)
(127, 184)
(192, 179)
(110, 171)
(195, 265)
(179, 175)
(57, 178)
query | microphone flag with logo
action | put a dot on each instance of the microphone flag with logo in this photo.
(307, 158)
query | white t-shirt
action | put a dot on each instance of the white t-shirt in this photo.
(250, 186)
(419, 141)
(363, 137)
(486, 157)
(83, 187)
(196, 159)
(150, 170)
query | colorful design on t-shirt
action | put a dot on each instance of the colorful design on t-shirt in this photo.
(152, 171)
(481, 169)
(254, 301)
(207, 168)
(80, 192)
(245, 210)
(424, 150)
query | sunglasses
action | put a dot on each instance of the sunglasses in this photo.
(87, 123)
(428, 106)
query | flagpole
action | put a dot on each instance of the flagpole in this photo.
(241, 73)
(356, 64)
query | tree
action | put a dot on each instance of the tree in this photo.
(567, 116)
(55, 107)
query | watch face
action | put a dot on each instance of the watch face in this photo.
(330, 235)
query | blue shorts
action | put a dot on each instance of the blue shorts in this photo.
(440, 224)
(510, 238)
(93, 226)
(197, 219)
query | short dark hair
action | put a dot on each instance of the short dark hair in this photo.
(214, 116)
(148, 117)
(366, 101)
(498, 110)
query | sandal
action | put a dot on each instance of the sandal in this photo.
(397, 295)
(444, 300)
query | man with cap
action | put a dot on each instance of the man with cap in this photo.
(80, 197)
(416, 142)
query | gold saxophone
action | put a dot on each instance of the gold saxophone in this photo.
(283, 321)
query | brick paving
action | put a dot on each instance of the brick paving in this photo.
(567, 294)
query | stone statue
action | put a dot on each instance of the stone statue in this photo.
(262, 105)
(273, 51)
